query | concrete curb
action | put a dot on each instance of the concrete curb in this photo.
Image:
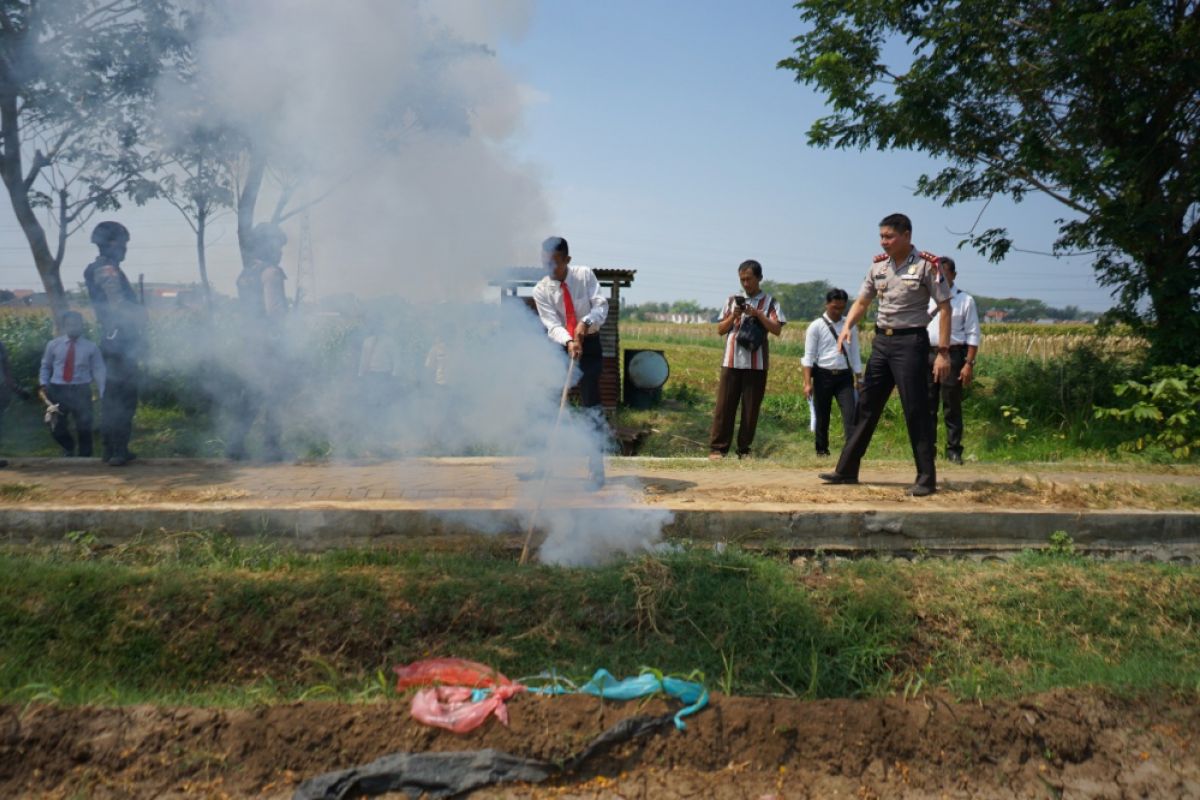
(1160, 535)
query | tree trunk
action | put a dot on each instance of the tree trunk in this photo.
(12, 172)
(201, 259)
(247, 200)
(1172, 285)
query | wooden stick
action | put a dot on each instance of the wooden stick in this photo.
(562, 404)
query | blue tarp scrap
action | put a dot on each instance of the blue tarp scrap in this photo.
(603, 684)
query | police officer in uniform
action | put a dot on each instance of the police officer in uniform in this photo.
(262, 306)
(122, 339)
(904, 279)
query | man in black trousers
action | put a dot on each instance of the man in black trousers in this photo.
(904, 279)
(123, 328)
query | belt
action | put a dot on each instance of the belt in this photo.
(962, 347)
(897, 331)
(831, 371)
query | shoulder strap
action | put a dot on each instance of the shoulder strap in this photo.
(833, 333)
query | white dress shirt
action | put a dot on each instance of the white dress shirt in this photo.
(964, 320)
(591, 306)
(821, 350)
(89, 363)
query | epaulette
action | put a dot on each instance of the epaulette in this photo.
(928, 256)
(881, 257)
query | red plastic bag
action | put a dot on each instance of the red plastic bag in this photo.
(449, 672)
(452, 708)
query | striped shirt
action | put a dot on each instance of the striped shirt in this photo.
(738, 357)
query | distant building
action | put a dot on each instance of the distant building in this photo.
(995, 315)
(679, 319)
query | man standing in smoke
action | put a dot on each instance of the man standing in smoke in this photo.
(262, 308)
(122, 339)
(572, 308)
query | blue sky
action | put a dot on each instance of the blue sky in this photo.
(667, 142)
(670, 143)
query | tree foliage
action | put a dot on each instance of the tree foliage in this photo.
(1095, 104)
(74, 78)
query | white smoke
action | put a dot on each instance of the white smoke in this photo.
(397, 113)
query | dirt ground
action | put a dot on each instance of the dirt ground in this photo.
(1066, 744)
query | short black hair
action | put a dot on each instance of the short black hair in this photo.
(897, 222)
(556, 244)
(753, 266)
(836, 294)
(947, 261)
(71, 315)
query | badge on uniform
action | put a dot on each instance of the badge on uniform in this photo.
(912, 270)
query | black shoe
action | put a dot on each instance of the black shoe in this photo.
(117, 461)
(954, 458)
(917, 490)
(3, 462)
(822, 452)
(835, 478)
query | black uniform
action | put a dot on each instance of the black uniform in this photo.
(122, 323)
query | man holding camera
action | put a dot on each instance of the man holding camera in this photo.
(904, 279)
(745, 322)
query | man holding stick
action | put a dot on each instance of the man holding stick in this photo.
(573, 309)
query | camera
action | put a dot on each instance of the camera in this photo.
(740, 301)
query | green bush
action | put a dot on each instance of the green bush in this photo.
(1165, 410)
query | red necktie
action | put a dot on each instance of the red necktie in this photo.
(69, 364)
(570, 305)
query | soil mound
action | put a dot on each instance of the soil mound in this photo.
(1062, 744)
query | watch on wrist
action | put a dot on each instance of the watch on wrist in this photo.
(943, 351)
(970, 362)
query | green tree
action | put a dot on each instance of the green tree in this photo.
(1093, 103)
(801, 301)
(75, 77)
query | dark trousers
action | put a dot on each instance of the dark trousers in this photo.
(243, 408)
(826, 386)
(119, 403)
(900, 362)
(74, 402)
(738, 386)
(948, 394)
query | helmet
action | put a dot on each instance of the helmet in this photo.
(109, 231)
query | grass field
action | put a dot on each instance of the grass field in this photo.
(1033, 399)
(194, 618)
(1021, 407)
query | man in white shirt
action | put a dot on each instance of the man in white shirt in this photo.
(573, 309)
(70, 365)
(829, 370)
(964, 345)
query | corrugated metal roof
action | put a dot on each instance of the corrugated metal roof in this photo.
(529, 276)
